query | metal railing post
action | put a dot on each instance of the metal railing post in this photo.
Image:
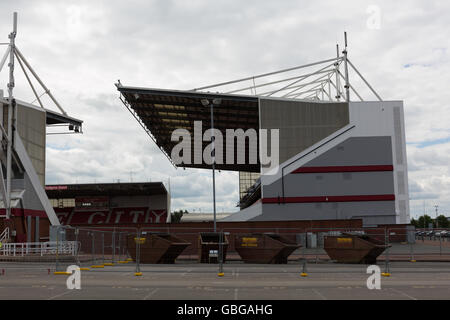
(220, 274)
(57, 249)
(411, 251)
(113, 245)
(304, 272)
(386, 265)
(138, 253)
(77, 258)
(120, 246)
(103, 248)
(93, 247)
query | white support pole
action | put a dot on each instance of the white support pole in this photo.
(338, 93)
(329, 88)
(3, 188)
(305, 84)
(327, 94)
(347, 84)
(29, 81)
(363, 79)
(275, 82)
(35, 182)
(12, 38)
(2, 62)
(353, 89)
(291, 84)
(40, 82)
(266, 74)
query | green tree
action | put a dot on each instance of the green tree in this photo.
(415, 223)
(176, 215)
(424, 221)
(442, 222)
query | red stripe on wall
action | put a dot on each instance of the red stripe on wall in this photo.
(25, 212)
(370, 168)
(381, 197)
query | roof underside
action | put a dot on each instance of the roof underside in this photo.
(160, 112)
(53, 117)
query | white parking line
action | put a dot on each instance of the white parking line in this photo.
(59, 295)
(404, 294)
(150, 294)
(319, 294)
(185, 273)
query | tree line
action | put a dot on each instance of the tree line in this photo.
(425, 220)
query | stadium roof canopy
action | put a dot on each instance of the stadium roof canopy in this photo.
(68, 191)
(160, 111)
(54, 117)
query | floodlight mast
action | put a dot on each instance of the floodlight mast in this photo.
(12, 116)
(336, 64)
(347, 83)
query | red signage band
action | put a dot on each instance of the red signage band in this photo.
(381, 197)
(370, 168)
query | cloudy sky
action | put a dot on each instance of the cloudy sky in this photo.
(81, 48)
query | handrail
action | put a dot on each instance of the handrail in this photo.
(39, 248)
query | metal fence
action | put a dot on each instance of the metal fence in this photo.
(95, 247)
(100, 247)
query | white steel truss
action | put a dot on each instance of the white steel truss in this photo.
(12, 146)
(301, 82)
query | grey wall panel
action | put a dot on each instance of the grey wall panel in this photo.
(398, 135)
(301, 123)
(333, 184)
(357, 151)
(401, 182)
(374, 212)
(31, 124)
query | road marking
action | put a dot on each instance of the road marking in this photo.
(402, 293)
(184, 273)
(59, 295)
(150, 294)
(319, 294)
(236, 293)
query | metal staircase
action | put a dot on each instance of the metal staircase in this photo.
(4, 236)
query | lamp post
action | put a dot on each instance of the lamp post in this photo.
(436, 208)
(205, 102)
